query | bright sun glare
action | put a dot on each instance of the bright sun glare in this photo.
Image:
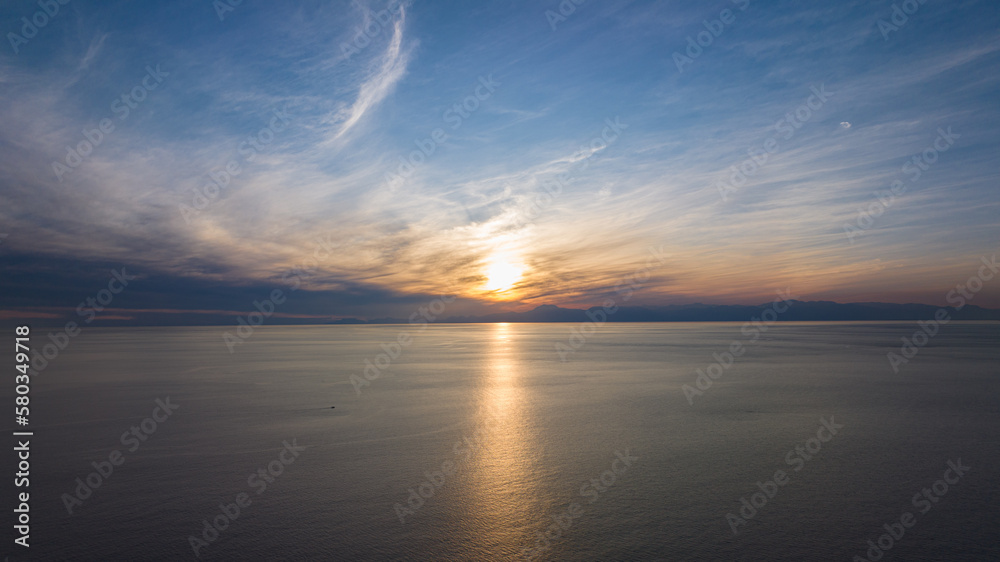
(502, 275)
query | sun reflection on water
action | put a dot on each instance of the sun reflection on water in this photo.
(502, 472)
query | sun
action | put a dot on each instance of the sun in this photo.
(502, 275)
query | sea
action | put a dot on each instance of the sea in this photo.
(801, 441)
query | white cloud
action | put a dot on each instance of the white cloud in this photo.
(389, 70)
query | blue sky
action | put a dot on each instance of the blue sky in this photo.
(466, 209)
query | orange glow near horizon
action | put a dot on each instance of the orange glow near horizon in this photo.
(502, 275)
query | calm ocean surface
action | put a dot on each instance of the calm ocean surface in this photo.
(523, 436)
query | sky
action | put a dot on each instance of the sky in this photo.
(366, 158)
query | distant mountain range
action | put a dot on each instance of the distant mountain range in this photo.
(797, 311)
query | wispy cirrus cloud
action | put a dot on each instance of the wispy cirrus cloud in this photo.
(386, 73)
(93, 50)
